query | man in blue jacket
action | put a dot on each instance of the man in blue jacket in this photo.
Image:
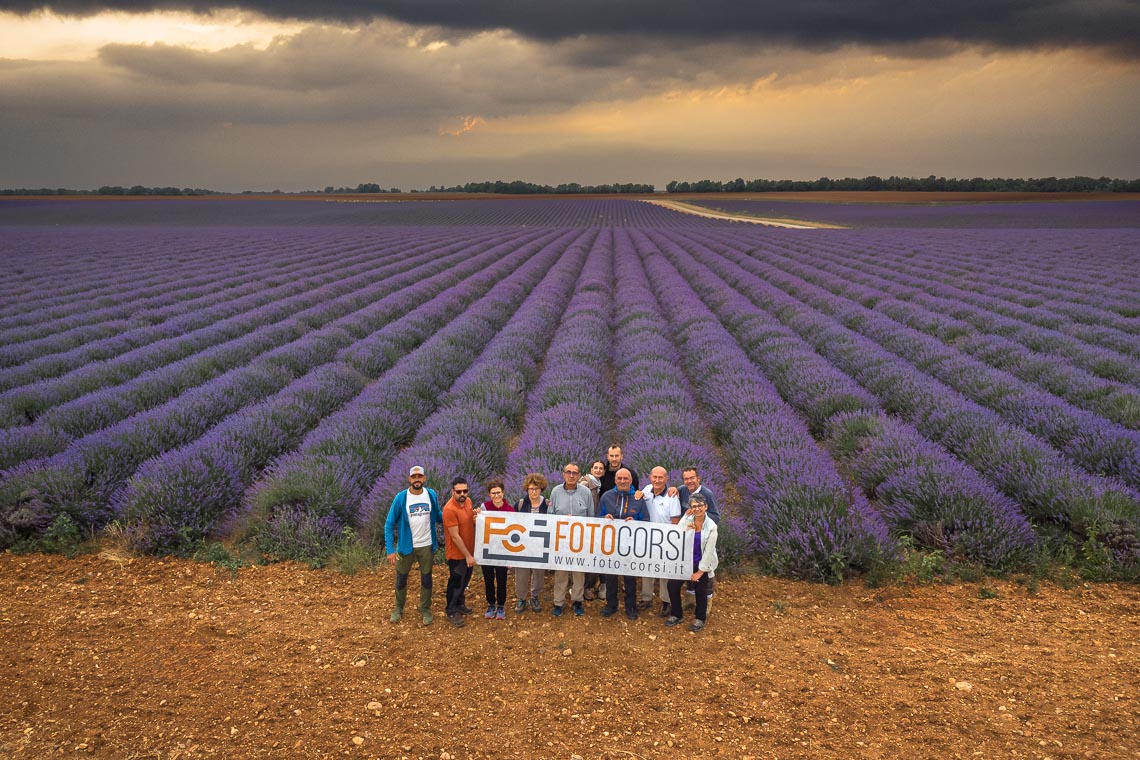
(410, 536)
(622, 502)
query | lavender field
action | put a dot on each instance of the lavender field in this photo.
(966, 383)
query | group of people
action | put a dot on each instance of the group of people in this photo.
(609, 490)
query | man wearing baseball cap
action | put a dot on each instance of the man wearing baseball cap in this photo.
(410, 537)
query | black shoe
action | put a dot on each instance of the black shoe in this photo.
(645, 604)
(664, 610)
(607, 611)
(631, 614)
(456, 619)
(465, 609)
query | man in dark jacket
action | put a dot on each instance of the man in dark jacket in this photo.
(622, 502)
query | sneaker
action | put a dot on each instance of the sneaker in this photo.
(697, 625)
(500, 613)
(534, 604)
(490, 613)
(520, 606)
(644, 604)
(672, 621)
(427, 618)
(631, 614)
(397, 615)
(664, 610)
(579, 609)
(607, 611)
(589, 595)
(557, 611)
(456, 619)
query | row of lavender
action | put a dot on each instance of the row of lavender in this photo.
(87, 477)
(1045, 478)
(786, 368)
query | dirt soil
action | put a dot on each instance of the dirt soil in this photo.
(149, 658)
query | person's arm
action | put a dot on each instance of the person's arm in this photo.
(709, 559)
(390, 532)
(453, 531)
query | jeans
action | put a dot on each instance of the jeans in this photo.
(701, 600)
(495, 584)
(457, 579)
(630, 591)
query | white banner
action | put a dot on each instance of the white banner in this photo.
(583, 544)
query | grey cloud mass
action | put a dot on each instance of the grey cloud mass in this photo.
(1110, 24)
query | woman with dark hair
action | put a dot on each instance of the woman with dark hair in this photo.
(495, 576)
(528, 580)
(593, 481)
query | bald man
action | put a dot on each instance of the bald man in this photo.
(661, 507)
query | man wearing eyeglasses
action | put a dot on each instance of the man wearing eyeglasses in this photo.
(459, 540)
(572, 500)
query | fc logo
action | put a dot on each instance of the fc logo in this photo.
(513, 539)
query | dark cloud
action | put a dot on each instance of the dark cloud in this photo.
(1111, 24)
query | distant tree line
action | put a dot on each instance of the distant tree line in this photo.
(912, 184)
(518, 187)
(111, 190)
(363, 187)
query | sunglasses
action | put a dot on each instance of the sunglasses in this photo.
(464, 492)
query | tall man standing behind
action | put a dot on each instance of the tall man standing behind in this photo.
(662, 508)
(410, 536)
(572, 500)
(622, 503)
(615, 462)
(459, 543)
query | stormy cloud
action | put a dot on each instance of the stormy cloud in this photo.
(1113, 25)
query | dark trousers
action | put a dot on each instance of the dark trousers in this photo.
(630, 582)
(702, 597)
(457, 579)
(495, 584)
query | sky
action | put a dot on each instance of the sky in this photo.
(294, 95)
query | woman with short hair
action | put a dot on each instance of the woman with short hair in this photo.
(528, 580)
(495, 576)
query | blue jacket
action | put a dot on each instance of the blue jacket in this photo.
(622, 505)
(397, 523)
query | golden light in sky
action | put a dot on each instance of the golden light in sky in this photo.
(47, 36)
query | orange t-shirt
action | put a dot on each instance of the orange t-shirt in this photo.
(463, 518)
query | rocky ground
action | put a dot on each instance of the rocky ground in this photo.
(147, 658)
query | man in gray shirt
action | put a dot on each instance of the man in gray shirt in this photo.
(573, 500)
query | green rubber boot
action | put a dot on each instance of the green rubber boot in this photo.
(401, 597)
(425, 605)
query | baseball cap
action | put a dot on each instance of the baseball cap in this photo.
(417, 470)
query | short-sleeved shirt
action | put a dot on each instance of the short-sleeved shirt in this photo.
(663, 508)
(462, 518)
(419, 518)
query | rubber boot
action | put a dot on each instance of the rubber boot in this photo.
(401, 598)
(425, 605)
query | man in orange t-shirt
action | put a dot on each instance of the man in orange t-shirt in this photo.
(459, 543)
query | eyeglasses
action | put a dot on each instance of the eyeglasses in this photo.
(461, 493)
(569, 472)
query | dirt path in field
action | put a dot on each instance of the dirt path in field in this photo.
(792, 224)
(174, 659)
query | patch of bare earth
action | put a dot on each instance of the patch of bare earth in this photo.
(174, 659)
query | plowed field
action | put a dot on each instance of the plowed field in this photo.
(174, 659)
